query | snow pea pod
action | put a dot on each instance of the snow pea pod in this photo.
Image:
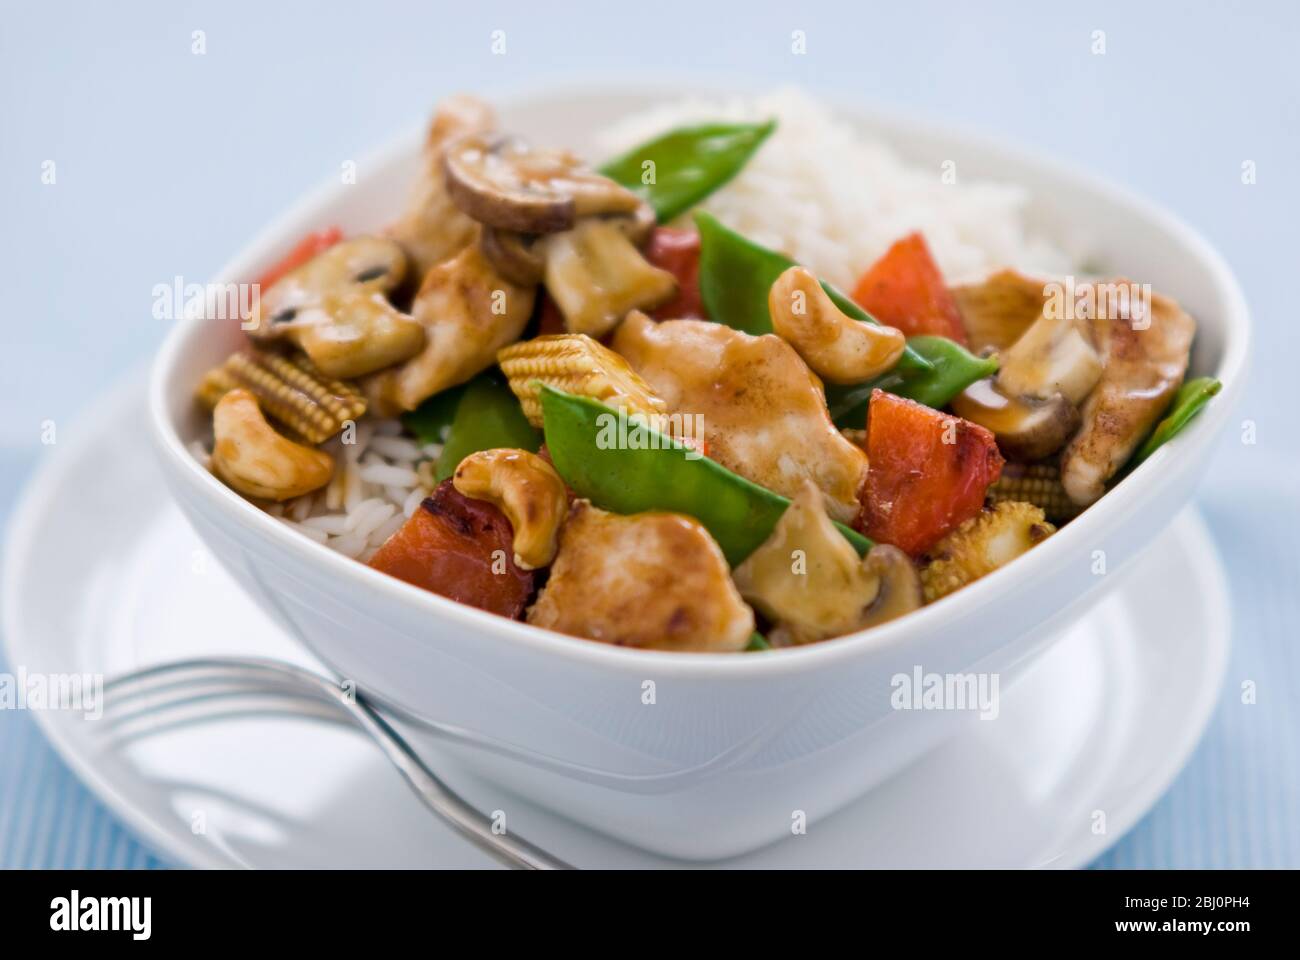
(953, 369)
(630, 468)
(483, 414)
(1191, 397)
(677, 170)
(430, 422)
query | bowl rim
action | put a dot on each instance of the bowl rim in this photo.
(1147, 480)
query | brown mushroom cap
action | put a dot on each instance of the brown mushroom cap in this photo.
(516, 256)
(1025, 429)
(521, 257)
(503, 183)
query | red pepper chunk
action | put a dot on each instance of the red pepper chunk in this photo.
(904, 289)
(550, 320)
(461, 548)
(678, 252)
(307, 249)
(927, 472)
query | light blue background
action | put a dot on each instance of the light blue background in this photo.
(166, 162)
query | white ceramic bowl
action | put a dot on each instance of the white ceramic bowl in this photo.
(732, 746)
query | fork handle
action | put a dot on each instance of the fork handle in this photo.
(511, 850)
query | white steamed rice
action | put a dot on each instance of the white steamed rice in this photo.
(817, 191)
(835, 201)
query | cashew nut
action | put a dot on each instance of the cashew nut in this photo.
(335, 308)
(527, 490)
(838, 348)
(252, 457)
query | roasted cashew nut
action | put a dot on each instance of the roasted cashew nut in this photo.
(838, 348)
(527, 490)
(249, 455)
(335, 308)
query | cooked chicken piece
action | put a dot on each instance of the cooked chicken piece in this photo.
(999, 309)
(433, 229)
(1144, 359)
(764, 411)
(652, 580)
(468, 312)
(809, 580)
(988, 540)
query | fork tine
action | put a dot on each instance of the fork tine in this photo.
(185, 711)
(175, 696)
(183, 671)
(194, 686)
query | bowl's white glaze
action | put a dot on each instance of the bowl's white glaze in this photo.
(567, 721)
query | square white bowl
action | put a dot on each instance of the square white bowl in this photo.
(731, 745)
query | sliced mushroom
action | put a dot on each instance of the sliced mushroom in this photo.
(1053, 356)
(366, 264)
(1145, 349)
(432, 228)
(1026, 429)
(839, 348)
(764, 412)
(249, 455)
(468, 312)
(350, 334)
(516, 256)
(651, 580)
(637, 225)
(335, 308)
(596, 276)
(527, 490)
(1031, 403)
(812, 584)
(504, 183)
(521, 257)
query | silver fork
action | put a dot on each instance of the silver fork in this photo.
(193, 691)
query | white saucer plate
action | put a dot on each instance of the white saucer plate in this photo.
(102, 575)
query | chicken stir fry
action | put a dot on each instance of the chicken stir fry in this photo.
(673, 440)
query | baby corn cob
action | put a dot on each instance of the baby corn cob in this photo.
(1036, 483)
(290, 389)
(988, 540)
(577, 364)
